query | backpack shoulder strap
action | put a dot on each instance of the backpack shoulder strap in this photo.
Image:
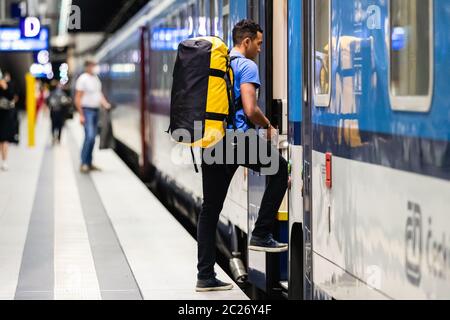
(194, 161)
(229, 78)
(231, 97)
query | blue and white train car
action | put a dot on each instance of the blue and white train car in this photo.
(375, 130)
(359, 91)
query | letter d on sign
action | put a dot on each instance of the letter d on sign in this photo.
(31, 27)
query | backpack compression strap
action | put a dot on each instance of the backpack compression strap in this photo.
(222, 75)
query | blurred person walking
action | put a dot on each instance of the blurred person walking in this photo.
(7, 104)
(42, 95)
(58, 103)
(89, 99)
(15, 136)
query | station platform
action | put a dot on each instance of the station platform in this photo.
(68, 236)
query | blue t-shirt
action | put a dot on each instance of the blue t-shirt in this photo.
(245, 71)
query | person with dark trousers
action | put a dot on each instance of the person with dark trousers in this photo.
(248, 39)
(58, 102)
(7, 104)
(14, 111)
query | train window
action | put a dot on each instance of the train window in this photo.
(253, 10)
(253, 7)
(191, 24)
(182, 20)
(411, 55)
(202, 23)
(215, 17)
(226, 21)
(322, 52)
(201, 8)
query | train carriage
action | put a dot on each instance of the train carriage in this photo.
(379, 152)
(359, 92)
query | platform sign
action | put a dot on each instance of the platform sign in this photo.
(13, 39)
(30, 27)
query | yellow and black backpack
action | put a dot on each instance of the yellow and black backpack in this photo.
(202, 102)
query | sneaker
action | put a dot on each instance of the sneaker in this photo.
(267, 244)
(85, 169)
(212, 285)
(94, 168)
(4, 167)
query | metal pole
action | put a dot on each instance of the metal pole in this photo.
(31, 108)
(32, 8)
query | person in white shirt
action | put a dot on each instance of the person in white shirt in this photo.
(89, 99)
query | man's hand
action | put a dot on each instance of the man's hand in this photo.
(78, 97)
(82, 119)
(269, 133)
(3, 84)
(272, 134)
(105, 104)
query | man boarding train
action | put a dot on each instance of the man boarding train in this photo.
(248, 39)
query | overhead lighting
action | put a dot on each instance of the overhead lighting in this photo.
(60, 41)
(123, 68)
(43, 57)
(48, 69)
(64, 67)
(36, 69)
(202, 26)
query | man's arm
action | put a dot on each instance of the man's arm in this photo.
(3, 84)
(251, 109)
(78, 97)
(105, 103)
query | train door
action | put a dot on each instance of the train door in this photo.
(144, 59)
(278, 114)
(307, 144)
(257, 262)
(295, 99)
(268, 272)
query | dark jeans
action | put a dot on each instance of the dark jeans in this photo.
(90, 130)
(58, 119)
(216, 181)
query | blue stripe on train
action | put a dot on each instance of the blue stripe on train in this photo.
(295, 81)
(417, 155)
(295, 133)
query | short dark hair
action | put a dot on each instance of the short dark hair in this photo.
(245, 29)
(89, 63)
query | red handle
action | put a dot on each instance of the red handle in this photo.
(329, 169)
